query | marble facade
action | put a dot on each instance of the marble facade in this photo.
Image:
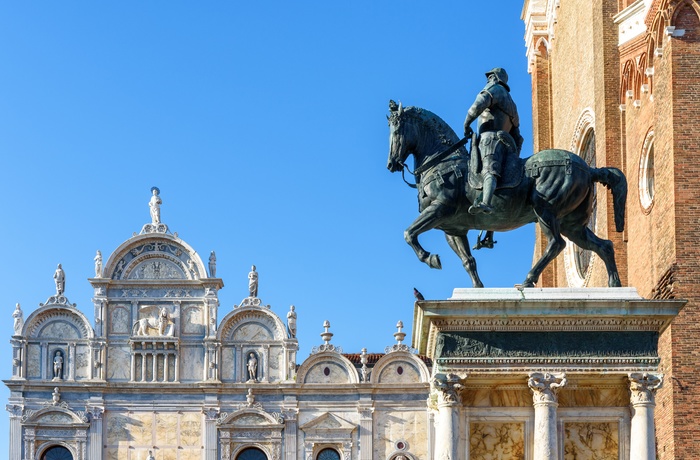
(491, 374)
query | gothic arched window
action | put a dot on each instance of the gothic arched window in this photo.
(582, 257)
(646, 173)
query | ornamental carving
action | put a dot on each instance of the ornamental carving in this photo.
(643, 386)
(545, 386)
(448, 388)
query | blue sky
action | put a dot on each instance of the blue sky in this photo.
(263, 124)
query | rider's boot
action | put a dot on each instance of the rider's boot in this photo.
(485, 205)
(486, 242)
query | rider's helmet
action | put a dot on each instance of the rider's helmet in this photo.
(501, 76)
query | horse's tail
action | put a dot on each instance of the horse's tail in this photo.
(615, 180)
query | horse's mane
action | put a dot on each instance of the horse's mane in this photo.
(433, 123)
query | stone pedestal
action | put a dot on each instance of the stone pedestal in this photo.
(642, 438)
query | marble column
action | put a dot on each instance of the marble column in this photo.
(211, 414)
(290, 434)
(95, 436)
(544, 388)
(366, 437)
(15, 411)
(642, 388)
(447, 389)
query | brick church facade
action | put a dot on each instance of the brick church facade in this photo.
(618, 83)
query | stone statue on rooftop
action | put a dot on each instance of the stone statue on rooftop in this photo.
(98, 264)
(253, 282)
(59, 277)
(18, 319)
(212, 265)
(292, 322)
(154, 205)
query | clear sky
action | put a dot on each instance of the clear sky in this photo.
(263, 124)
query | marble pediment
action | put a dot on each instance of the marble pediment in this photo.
(250, 418)
(54, 415)
(252, 325)
(58, 323)
(328, 423)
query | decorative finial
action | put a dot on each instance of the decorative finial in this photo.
(250, 398)
(398, 335)
(325, 335)
(56, 396)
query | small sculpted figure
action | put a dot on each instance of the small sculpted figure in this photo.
(58, 365)
(212, 265)
(292, 322)
(253, 282)
(154, 205)
(18, 319)
(98, 264)
(59, 277)
(150, 455)
(252, 367)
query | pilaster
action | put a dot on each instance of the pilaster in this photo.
(642, 440)
(544, 388)
(447, 390)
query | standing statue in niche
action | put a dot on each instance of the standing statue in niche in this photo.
(253, 282)
(252, 368)
(154, 204)
(58, 365)
(150, 455)
(98, 264)
(212, 265)
(18, 319)
(59, 278)
(292, 322)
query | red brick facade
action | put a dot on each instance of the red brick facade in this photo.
(645, 97)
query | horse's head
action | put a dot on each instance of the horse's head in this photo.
(400, 138)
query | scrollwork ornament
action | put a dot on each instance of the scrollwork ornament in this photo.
(643, 386)
(545, 386)
(326, 347)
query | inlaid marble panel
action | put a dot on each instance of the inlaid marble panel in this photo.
(227, 364)
(399, 372)
(191, 430)
(119, 320)
(115, 453)
(191, 364)
(327, 372)
(33, 361)
(118, 363)
(141, 428)
(166, 429)
(591, 441)
(191, 454)
(82, 355)
(252, 332)
(496, 441)
(59, 330)
(393, 426)
(193, 321)
(55, 418)
(117, 428)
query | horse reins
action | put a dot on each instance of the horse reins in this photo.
(437, 158)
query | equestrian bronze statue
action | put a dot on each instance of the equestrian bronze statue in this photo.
(553, 187)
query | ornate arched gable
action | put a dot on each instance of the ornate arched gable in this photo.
(398, 368)
(250, 427)
(327, 367)
(54, 415)
(251, 324)
(250, 417)
(57, 322)
(154, 257)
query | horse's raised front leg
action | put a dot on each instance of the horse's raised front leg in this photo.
(430, 218)
(584, 238)
(460, 245)
(555, 244)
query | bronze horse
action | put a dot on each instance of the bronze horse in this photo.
(556, 190)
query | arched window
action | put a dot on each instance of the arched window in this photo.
(582, 257)
(57, 453)
(646, 173)
(251, 453)
(328, 454)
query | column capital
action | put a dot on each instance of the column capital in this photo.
(643, 386)
(211, 414)
(448, 388)
(15, 410)
(94, 412)
(545, 387)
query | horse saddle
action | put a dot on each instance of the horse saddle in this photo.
(511, 175)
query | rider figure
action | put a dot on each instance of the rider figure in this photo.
(499, 132)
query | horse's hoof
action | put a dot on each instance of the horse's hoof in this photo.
(614, 281)
(434, 261)
(526, 284)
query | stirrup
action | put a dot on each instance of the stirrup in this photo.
(479, 208)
